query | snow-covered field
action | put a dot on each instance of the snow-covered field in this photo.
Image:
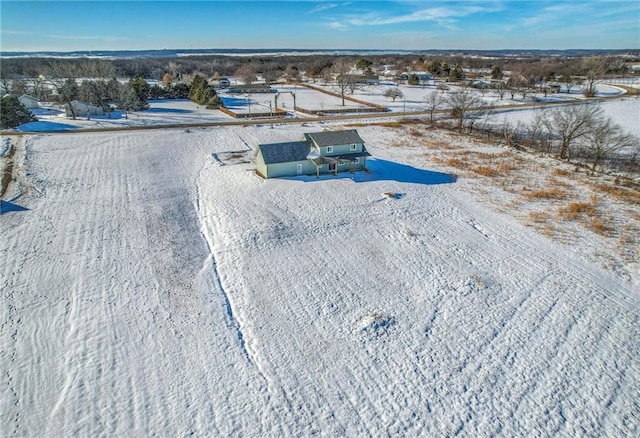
(156, 286)
(624, 111)
(164, 112)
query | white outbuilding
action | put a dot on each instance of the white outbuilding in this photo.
(28, 101)
(83, 109)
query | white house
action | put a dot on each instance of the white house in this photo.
(83, 109)
(28, 101)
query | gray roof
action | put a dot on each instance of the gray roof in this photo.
(331, 138)
(284, 152)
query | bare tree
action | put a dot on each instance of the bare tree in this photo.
(568, 79)
(293, 73)
(62, 77)
(510, 133)
(271, 74)
(96, 69)
(38, 87)
(500, 89)
(393, 93)
(461, 103)
(594, 68)
(247, 73)
(539, 132)
(19, 86)
(174, 70)
(343, 80)
(327, 75)
(483, 114)
(603, 140)
(433, 101)
(571, 123)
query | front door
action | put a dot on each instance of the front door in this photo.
(299, 169)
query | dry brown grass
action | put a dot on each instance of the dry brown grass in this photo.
(486, 171)
(574, 209)
(538, 217)
(549, 193)
(457, 163)
(390, 124)
(491, 155)
(7, 173)
(620, 193)
(629, 242)
(561, 172)
(599, 226)
(430, 144)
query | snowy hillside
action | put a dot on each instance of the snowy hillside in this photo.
(156, 286)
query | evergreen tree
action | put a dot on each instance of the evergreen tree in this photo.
(413, 79)
(13, 113)
(180, 91)
(496, 72)
(203, 94)
(141, 88)
(128, 99)
(456, 74)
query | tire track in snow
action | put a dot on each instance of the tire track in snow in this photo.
(233, 321)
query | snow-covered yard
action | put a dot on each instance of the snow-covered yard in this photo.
(152, 288)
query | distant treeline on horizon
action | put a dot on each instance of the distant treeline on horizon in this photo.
(171, 53)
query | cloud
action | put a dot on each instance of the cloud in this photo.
(336, 25)
(107, 38)
(323, 7)
(441, 15)
(16, 32)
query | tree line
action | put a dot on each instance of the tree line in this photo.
(316, 66)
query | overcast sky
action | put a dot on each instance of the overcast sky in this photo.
(356, 24)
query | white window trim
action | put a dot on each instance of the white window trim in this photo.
(353, 147)
(329, 149)
(357, 161)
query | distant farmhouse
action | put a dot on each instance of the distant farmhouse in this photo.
(318, 153)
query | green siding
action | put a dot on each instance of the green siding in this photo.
(290, 169)
(308, 168)
(260, 166)
(341, 149)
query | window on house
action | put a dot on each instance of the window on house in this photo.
(357, 160)
(353, 147)
(329, 149)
